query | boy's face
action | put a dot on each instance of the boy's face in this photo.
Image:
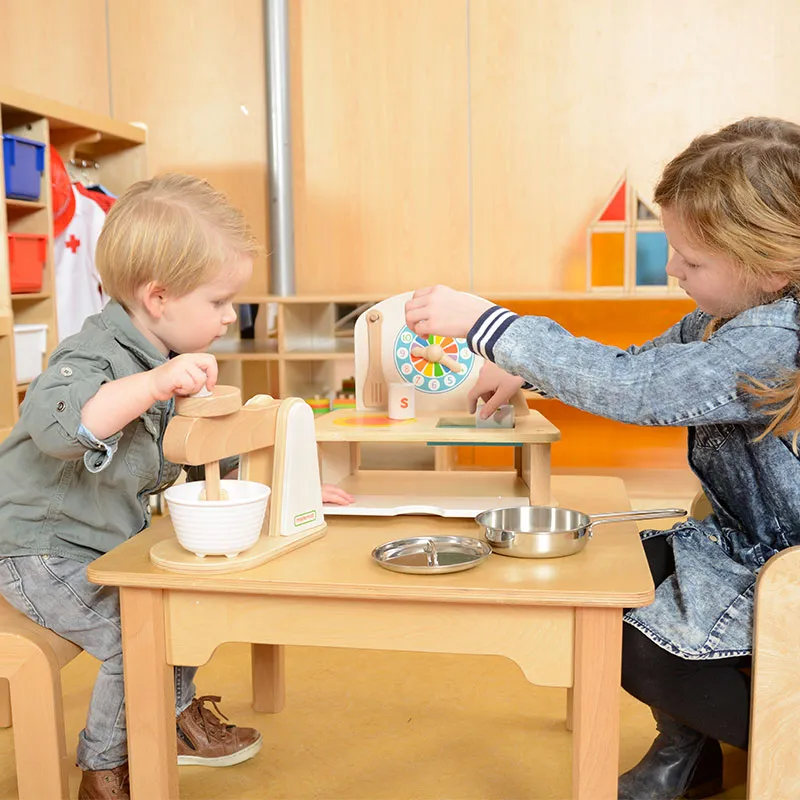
(189, 324)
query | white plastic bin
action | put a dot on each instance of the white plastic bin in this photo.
(30, 345)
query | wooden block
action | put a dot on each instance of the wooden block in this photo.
(502, 418)
(222, 400)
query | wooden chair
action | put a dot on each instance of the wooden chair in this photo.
(773, 763)
(31, 658)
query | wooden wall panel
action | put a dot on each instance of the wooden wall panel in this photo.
(56, 49)
(380, 110)
(568, 95)
(193, 71)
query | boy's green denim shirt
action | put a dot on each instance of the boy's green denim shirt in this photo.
(62, 491)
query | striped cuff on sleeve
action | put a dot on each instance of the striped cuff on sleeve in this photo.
(488, 329)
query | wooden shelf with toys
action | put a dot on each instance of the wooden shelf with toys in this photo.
(305, 341)
(115, 155)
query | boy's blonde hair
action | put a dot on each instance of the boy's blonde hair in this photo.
(175, 230)
(737, 194)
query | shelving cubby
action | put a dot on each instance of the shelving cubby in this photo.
(119, 153)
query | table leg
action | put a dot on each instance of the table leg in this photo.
(149, 696)
(570, 698)
(595, 739)
(5, 704)
(533, 466)
(445, 458)
(269, 692)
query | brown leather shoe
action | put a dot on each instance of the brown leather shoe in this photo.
(105, 784)
(206, 740)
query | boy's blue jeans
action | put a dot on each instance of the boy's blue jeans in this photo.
(55, 593)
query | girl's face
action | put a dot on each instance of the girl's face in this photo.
(189, 324)
(714, 282)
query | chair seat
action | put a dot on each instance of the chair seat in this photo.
(31, 658)
(13, 621)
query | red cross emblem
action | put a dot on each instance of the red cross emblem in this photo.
(73, 244)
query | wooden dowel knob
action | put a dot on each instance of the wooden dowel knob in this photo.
(451, 364)
(435, 354)
(221, 401)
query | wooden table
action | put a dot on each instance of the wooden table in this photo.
(559, 619)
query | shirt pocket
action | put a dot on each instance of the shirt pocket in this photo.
(712, 437)
(143, 457)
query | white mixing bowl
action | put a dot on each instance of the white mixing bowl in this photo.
(218, 527)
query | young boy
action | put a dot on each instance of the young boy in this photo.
(77, 471)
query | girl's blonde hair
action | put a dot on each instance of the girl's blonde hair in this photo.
(175, 230)
(737, 193)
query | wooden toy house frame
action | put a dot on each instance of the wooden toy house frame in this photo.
(626, 247)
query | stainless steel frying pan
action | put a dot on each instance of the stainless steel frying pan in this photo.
(549, 531)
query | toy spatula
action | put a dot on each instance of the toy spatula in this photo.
(374, 384)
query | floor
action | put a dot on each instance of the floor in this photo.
(363, 725)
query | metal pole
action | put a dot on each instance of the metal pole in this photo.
(281, 205)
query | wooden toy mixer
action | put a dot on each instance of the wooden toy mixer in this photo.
(275, 439)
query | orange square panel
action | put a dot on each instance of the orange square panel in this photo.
(608, 258)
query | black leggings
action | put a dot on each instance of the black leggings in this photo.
(710, 696)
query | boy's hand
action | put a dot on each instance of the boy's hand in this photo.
(335, 495)
(185, 374)
(495, 386)
(444, 311)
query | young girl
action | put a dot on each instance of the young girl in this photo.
(77, 471)
(729, 372)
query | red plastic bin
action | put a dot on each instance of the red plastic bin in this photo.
(27, 255)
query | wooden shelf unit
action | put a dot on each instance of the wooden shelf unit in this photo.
(119, 150)
(302, 354)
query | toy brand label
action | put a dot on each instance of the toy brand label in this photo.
(306, 516)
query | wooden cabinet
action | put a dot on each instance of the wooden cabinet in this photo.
(119, 152)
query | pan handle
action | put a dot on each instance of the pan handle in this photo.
(630, 516)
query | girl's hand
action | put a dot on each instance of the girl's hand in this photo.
(335, 495)
(444, 311)
(495, 386)
(184, 375)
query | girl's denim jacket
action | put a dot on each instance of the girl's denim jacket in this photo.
(705, 610)
(62, 491)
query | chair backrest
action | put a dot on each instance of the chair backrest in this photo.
(700, 507)
(773, 765)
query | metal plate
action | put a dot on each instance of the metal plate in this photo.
(427, 555)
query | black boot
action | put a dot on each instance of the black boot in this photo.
(681, 763)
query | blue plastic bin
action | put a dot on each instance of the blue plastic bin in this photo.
(23, 163)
